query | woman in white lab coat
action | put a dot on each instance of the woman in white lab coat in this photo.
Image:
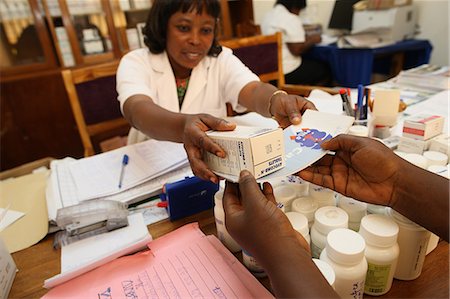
(178, 88)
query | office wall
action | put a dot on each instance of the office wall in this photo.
(432, 18)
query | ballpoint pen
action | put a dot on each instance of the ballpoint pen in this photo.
(124, 163)
(346, 102)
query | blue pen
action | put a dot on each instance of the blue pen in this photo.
(360, 101)
(124, 163)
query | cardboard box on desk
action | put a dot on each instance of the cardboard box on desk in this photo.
(423, 126)
(441, 144)
(412, 145)
(258, 150)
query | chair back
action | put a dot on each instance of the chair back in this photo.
(93, 98)
(261, 54)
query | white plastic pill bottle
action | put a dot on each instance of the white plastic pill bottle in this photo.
(412, 241)
(355, 209)
(300, 185)
(306, 206)
(344, 252)
(285, 194)
(380, 233)
(323, 196)
(252, 264)
(326, 270)
(219, 216)
(326, 219)
(300, 223)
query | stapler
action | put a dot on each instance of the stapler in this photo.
(89, 218)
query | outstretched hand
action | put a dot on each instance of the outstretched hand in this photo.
(196, 142)
(361, 168)
(288, 109)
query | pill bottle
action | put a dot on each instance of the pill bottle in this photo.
(356, 210)
(344, 252)
(300, 223)
(323, 196)
(439, 169)
(326, 270)
(380, 233)
(443, 171)
(358, 130)
(435, 158)
(412, 241)
(252, 264)
(306, 206)
(326, 219)
(219, 216)
(300, 185)
(285, 194)
(417, 160)
(376, 209)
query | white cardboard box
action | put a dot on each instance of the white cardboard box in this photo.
(258, 150)
(411, 145)
(441, 144)
(423, 126)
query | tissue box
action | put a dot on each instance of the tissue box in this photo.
(258, 150)
(423, 126)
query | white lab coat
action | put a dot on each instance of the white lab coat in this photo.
(213, 83)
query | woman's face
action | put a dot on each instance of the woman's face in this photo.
(189, 38)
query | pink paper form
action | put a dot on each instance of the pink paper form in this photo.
(183, 264)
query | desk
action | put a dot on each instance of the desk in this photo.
(40, 262)
(351, 67)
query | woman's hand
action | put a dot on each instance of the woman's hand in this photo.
(287, 109)
(196, 142)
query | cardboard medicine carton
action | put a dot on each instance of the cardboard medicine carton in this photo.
(258, 150)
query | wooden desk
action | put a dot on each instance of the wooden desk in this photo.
(40, 262)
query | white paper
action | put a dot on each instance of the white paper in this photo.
(326, 102)
(87, 254)
(99, 175)
(8, 217)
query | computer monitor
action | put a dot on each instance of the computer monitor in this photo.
(342, 15)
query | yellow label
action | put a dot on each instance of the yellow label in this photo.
(377, 277)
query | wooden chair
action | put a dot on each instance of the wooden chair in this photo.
(262, 54)
(93, 98)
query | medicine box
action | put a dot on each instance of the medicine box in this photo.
(423, 126)
(258, 150)
(441, 144)
(411, 145)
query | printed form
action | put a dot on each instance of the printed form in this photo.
(186, 264)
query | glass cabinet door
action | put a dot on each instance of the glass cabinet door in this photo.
(25, 44)
(129, 19)
(82, 30)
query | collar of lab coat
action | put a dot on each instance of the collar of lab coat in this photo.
(166, 87)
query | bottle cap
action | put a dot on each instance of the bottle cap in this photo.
(345, 246)
(442, 170)
(379, 230)
(376, 209)
(328, 218)
(417, 160)
(436, 158)
(305, 205)
(299, 222)
(285, 194)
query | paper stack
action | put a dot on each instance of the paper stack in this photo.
(151, 164)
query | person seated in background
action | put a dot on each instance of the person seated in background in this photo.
(361, 168)
(178, 87)
(284, 17)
